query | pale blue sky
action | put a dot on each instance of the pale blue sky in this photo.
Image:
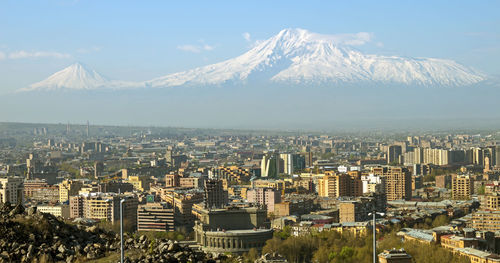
(140, 40)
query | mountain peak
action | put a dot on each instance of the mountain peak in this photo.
(293, 32)
(76, 76)
(299, 56)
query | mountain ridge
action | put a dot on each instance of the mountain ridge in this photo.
(293, 56)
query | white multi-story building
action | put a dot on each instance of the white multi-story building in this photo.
(12, 190)
(372, 183)
(61, 210)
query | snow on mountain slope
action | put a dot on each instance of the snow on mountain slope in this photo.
(75, 77)
(80, 77)
(299, 56)
(294, 56)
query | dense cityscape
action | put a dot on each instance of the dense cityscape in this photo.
(239, 194)
(256, 131)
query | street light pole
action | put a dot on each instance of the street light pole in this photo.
(374, 238)
(374, 226)
(121, 230)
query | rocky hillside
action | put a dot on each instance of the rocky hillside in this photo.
(31, 236)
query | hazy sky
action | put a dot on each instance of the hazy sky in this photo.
(140, 40)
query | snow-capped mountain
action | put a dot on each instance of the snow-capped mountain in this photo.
(299, 56)
(76, 77)
(294, 56)
(80, 77)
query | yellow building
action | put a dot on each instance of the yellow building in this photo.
(69, 188)
(140, 182)
(485, 220)
(477, 256)
(491, 202)
(453, 242)
(337, 185)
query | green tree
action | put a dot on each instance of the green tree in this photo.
(481, 190)
(440, 220)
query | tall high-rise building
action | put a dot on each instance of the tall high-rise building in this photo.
(477, 156)
(98, 169)
(393, 153)
(12, 190)
(308, 158)
(497, 156)
(337, 185)
(168, 156)
(215, 196)
(462, 187)
(292, 162)
(397, 182)
(270, 165)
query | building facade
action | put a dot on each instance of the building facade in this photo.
(397, 182)
(462, 187)
(155, 217)
(12, 190)
(264, 196)
(232, 230)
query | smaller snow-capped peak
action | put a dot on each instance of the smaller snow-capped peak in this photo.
(75, 77)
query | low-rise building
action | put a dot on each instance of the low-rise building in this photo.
(155, 217)
(485, 220)
(394, 256)
(60, 210)
(233, 230)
